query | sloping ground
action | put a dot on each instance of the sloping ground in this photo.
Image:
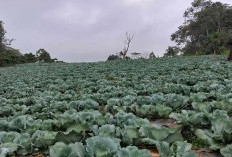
(172, 106)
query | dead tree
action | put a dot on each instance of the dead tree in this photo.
(128, 40)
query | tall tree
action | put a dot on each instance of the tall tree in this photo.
(43, 56)
(152, 55)
(29, 58)
(4, 42)
(206, 23)
(2, 34)
(171, 51)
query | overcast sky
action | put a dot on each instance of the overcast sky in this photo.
(91, 30)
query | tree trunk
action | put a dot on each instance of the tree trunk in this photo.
(214, 54)
(207, 30)
(123, 56)
(229, 58)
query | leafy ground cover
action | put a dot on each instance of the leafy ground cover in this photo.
(178, 106)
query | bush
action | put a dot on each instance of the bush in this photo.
(113, 57)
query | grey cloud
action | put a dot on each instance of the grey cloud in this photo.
(91, 30)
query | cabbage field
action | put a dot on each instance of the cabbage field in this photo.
(167, 107)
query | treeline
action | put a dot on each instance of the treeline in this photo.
(10, 56)
(207, 29)
(134, 55)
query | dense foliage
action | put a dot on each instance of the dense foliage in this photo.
(107, 109)
(172, 51)
(113, 57)
(207, 28)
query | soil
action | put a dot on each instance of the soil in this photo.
(169, 123)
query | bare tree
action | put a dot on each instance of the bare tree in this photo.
(128, 40)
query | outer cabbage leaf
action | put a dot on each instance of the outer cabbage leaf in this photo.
(106, 131)
(163, 148)
(114, 102)
(8, 137)
(201, 107)
(161, 133)
(6, 111)
(19, 123)
(43, 138)
(72, 150)
(101, 147)
(207, 137)
(191, 118)
(48, 124)
(227, 151)
(8, 149)
(143, 100)
(69, 137)
(220, 133)
(4, 125)
(176, 101)
(142, 111)
(198, 97)
(161, 110)
(81, 121)
(78, 127)
(130, 135)
(223, 105)
(157, 99)
(177, 149)
(129, 119)
(128, 100)
(132, 151)
(181, 149)
(24, 141)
